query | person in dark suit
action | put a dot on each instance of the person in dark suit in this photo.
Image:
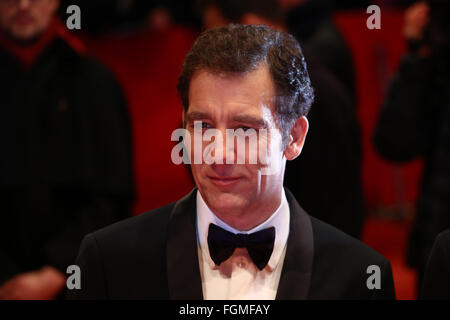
(414, 122)
(436, 282)
(66, 150)
(239, 234)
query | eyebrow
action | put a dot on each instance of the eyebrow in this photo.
(248, 119)
(196, 115)
(255, 121)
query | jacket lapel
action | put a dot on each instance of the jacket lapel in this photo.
(297, 267)
(182, 257)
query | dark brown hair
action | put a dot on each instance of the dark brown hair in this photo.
(238, 49)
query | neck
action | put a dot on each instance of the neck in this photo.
(28, 51)
(253, 215)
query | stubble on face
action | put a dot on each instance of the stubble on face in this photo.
(24, 24)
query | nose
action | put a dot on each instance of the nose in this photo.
(220, 151)
(225, 148)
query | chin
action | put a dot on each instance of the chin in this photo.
(25, 36)
(223, 203)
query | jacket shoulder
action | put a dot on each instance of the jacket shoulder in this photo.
(343, 266)
(328, 240)
(436, 279)
(154, 220)
(444, 237)
(125, 260)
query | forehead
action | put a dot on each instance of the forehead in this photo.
(228, 94)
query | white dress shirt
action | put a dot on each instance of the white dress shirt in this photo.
(238, 278)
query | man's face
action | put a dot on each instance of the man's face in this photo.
(237, 102)
(25, 20)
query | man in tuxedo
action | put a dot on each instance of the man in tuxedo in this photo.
(239, 234)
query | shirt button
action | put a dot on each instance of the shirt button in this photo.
(242, 264)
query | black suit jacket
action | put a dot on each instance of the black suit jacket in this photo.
(436, 282)
(154, 256)
(66, 157)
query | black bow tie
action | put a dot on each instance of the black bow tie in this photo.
(258, 244)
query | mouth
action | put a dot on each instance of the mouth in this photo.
(224, 181)
(23, 19)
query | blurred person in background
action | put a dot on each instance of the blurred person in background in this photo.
(415, 121)
(326, 179)
(310, 21)
(66, 166)
(127, 16)
(436, 281)
(145, 50)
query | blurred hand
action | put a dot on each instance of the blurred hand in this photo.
(43, 284)
(416, 19)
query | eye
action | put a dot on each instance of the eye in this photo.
(206, 125)
(245, 128)
(200, 124)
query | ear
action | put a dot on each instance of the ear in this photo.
(296, 138)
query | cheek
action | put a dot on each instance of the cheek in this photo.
(252, 151)
(6, 15)
(270, 149)
(196, 171)
(253, 175)
(195, 146)
(43, 13)
(42, 18)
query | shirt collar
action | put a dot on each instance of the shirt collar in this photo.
(279, 219)
(28, 54)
